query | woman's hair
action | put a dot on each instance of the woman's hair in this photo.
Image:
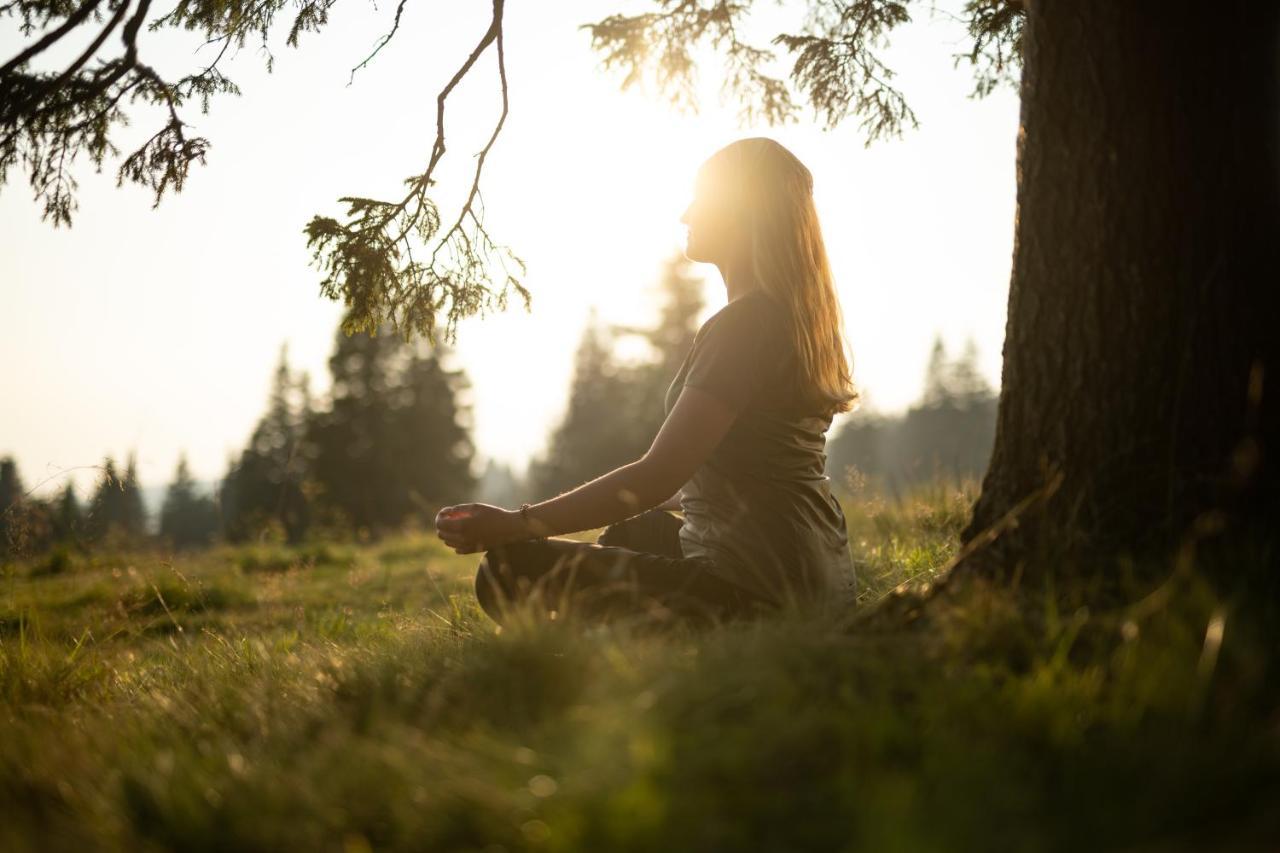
(773, 193)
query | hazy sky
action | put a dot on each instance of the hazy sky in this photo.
(157, 330)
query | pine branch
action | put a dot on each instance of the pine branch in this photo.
(369, 261)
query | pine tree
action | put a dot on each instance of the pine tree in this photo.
(10, 483)
(116, 511)
(936, 379)
(265, 485)
(11, 494)
(105, 504)
(432, 437)
(947, 433)
(135, 512)
(68, 517)
(968, 386)
(187, 517)
(394, 439)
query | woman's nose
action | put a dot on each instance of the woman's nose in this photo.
(684, 217)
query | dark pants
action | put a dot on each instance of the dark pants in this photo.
(634, 567)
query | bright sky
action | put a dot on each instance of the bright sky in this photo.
(157, 330)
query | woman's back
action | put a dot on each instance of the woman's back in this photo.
(761, 505)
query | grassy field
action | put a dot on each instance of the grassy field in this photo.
(343, 697)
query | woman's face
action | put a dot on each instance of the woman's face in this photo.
(711, 224)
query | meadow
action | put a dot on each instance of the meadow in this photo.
(344, 696)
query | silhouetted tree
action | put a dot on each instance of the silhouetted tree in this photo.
(936, 376)
(116, 510)
(30, 524)
(11, 490)
(947, 434)
(432, 434)
(187, 517)
(11, 496)
(860, 452)
(264, 486)
(967, 384)
(134, 507)
(394, 438)
(68, 517)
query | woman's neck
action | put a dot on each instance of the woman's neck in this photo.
(739, 278)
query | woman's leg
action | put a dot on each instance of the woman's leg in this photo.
(655, 532)
(634, 566)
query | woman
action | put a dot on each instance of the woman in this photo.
(742, 450)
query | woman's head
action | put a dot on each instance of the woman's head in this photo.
(753, 211)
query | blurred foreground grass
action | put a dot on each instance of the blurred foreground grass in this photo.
(347, 698)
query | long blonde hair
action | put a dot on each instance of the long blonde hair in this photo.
(773, 193)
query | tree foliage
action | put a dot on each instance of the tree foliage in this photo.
(188, 518)
(394, 438)
(264, 486)
(947, 434)
(116, 512)
(29, 524)
(11, 499)
(68, 516)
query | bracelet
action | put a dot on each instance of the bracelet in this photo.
(528, 522)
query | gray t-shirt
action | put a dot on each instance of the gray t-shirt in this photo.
(761, 505)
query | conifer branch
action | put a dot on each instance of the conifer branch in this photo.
(369, 262)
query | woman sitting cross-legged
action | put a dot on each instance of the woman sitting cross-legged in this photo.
(741, 452)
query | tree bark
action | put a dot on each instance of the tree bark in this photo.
(1140, 355)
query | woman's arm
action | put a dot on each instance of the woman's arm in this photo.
(623, 492)
(696, 424)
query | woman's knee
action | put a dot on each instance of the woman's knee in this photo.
(492, 585)
(506, 573)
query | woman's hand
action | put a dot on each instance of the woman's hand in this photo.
(471, 527)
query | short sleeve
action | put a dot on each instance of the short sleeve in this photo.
(731, 355)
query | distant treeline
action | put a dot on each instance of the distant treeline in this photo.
(391, 438)
(391, 442)
(948, 434)
(29, 524)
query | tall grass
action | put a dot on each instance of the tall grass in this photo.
(362, 701)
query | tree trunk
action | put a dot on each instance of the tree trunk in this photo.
(1140, 355)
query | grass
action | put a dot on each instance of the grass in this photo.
(351, 698)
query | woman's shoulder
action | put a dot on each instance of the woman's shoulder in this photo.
(753, 312)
